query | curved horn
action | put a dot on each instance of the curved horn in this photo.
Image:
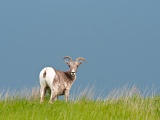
(80, 58)
(68, 58)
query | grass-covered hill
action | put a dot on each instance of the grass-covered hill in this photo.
(126, 104)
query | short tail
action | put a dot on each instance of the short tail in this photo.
(44, 74)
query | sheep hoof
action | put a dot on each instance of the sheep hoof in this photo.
(51, 102)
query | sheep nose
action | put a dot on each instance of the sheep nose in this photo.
(73, 73)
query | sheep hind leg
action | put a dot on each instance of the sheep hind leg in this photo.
(53, 96)
(42, 93)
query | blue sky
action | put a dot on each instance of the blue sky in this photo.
(119, 39)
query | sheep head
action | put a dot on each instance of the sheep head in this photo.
(73, 65)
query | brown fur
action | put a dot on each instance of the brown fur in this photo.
(63, 81)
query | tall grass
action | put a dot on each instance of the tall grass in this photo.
(120, 104)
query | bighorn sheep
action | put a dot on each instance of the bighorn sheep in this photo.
(58, 81)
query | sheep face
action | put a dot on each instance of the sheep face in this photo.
(73, 65)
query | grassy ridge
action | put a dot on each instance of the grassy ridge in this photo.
(132, 107)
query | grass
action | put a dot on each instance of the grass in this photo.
(121, 104)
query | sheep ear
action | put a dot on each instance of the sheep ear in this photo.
(79, 63)
(67, 62)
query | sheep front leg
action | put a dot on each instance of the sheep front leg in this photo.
(66, 95)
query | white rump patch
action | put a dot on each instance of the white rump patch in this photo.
(49, 77)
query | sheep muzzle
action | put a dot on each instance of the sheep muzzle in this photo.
(73, 74)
